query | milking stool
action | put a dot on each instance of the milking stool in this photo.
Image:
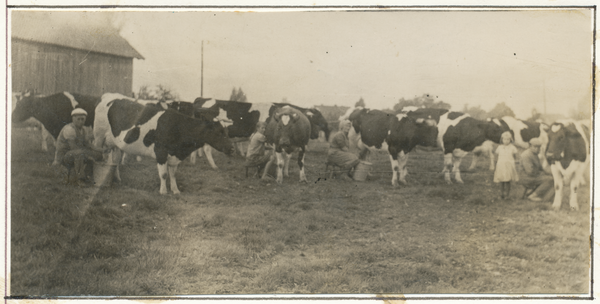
(335, 167)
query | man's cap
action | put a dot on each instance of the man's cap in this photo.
(79, 111)
(535, 142)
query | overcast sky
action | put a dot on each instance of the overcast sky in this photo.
(520, 57)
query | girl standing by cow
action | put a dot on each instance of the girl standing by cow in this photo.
(506, 170)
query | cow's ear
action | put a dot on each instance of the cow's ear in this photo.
(556, 128)
(295, 116)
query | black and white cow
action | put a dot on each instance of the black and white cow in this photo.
(150, 130)
(458, 134)
(236, 116)
(288, 129)
(318, 123)
(569, 158)
(401, 133)
(523, 131)
(54, 111)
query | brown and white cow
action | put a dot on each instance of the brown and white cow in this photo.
(150, 130)
(569, 157)
(288, 129)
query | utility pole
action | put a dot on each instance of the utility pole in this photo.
(202, 71)
(544, 94)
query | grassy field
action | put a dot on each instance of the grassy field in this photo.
(227, 234)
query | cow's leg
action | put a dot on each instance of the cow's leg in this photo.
(447, 167)
(123, 158)
(474, 162)
(286, 165)
(457, 157)
(45, 135)
(208, 152)
(492, 160)
(301, 165)
(162, 174)
(576, 181)
(172, 171)
(363, 149)
(117, 174)
(193, 156)
(116, 156)
(402, 160)
(395, 169)
(558, 186)
(573, 200)
(280, 163)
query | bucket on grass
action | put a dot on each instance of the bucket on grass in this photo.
(103, 174)
(362, 170)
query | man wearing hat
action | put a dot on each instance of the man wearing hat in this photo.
(74, 147)
(534, 175)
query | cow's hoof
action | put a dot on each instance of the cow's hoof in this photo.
(555, 207)
(176, 192)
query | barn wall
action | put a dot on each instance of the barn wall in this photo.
(49, 69)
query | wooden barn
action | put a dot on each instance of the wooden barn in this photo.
(50, 55)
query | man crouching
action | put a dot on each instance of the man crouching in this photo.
(75, 149)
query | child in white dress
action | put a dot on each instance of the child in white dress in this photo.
(506, 170)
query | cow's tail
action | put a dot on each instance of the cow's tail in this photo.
(101, 124)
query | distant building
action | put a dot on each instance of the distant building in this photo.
(49, 56)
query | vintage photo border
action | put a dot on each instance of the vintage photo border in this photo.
(270, 6)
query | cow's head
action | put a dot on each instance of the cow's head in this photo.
(244, 124)
(25, 108)
(356, 117)
(290, 129)
(558, 139)
(317, 120)
(217, 136)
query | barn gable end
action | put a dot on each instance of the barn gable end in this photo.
(82, 63)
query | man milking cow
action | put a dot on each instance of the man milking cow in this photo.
(75, 149)
(534, 175)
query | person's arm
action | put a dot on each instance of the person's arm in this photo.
(263, 139)
(527, 164)
(70, 137)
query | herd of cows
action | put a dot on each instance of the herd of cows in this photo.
(173, 131)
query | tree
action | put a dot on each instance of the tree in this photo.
(360, 103)
(583, 110)
(426, 100)
(500, 110)
(238, 95)
(475, 112)
(535, 115)
(159, 92)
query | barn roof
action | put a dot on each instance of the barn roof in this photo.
(100, 38)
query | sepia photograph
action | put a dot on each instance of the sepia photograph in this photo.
(343, 152)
